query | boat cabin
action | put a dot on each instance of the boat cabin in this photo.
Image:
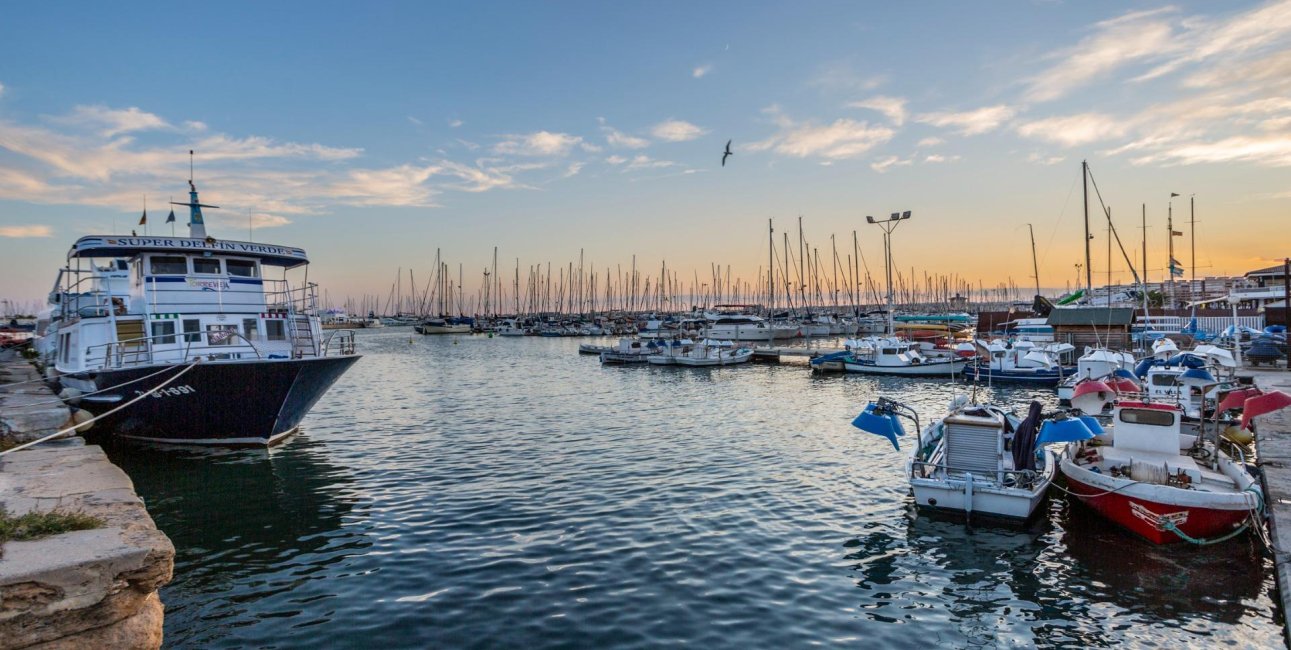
(172, 299)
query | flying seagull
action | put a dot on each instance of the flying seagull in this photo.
(726, 153)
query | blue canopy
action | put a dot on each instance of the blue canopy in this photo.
(1122, 372)
(879, 422)
(1064, 430)
(1092, 422)
(1198, 374)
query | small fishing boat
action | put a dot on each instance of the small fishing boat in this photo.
(888, 356)
(590, 348)
(1020, 362)
(1095, 363)
(713, 353)
(629, 351)
(444, 326)
(1159, 484)
(977, 459)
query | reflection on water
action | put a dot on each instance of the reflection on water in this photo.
(255, 533)
(475, 492)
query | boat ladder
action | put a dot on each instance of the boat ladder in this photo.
(302, 337)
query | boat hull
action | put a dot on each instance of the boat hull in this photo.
(986, 498)
(929, 369)
(443, 329)
(226, 403)
(1038, 377)
(1143, 508)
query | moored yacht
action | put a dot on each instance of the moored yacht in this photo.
(735, 323)
(224, 354)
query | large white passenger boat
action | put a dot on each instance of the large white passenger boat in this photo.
(226, 354)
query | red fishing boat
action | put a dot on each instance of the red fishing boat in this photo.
(1160, 484)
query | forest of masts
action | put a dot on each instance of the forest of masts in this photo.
(800, 283)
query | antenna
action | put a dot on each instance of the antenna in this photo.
(190, 166)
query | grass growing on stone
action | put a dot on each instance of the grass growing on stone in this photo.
(35, 525)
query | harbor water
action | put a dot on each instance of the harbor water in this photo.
(474, 492)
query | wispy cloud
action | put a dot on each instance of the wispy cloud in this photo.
(109, 122)
(616, 160)
(573, 169)
(940, 158)
(700, 71)
(841, 139)
(620, 140)
(1118, 42)
(646, 162)
(882, 165)
(22, 232)
(1045, 160)
(539, 143)
(455, 123)
(1274, 151)
(101, 156)
(892, 107)
(1, 90)
(843, 77)
(676, 131)
(1074, 130)
(974, 122)
(930, 142)
(415, 121)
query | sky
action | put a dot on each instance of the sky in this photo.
(374, 134)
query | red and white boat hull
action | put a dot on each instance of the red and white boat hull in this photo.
(1145, 508)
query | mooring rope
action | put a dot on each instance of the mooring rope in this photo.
(74, 427)
(101, 390)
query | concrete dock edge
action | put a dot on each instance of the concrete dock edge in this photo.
(1273, 449)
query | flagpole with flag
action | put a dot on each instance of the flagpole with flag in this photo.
(171, 220)
(143, 221)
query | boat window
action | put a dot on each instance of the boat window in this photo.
(275, 330)
(206, 265)
(221, 334)
(891, 351)
(163, 331)
(192, 330)
(1147, 416)
(168, 265)
(241, 268)
(1164, 380)
(249, 328)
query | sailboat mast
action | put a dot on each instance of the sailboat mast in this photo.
(1035, 266)
(1192, 234)
(1084, 183)
(770, 267)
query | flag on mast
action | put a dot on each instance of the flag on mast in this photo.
(1176, 233)
(171, 218)
(144, 219)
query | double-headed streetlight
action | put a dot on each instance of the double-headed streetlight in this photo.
(888, 225)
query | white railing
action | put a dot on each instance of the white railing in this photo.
(140, 351)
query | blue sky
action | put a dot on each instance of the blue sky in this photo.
(372, 135)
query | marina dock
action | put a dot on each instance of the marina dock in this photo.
(91, 586)
(1273, 447)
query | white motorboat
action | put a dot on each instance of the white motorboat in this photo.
(889, 356)
(977, 459)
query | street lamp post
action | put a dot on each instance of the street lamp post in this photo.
(888, 225)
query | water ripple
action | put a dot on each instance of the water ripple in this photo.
(504, 492)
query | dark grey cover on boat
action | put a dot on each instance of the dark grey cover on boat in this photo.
(1024, 439)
